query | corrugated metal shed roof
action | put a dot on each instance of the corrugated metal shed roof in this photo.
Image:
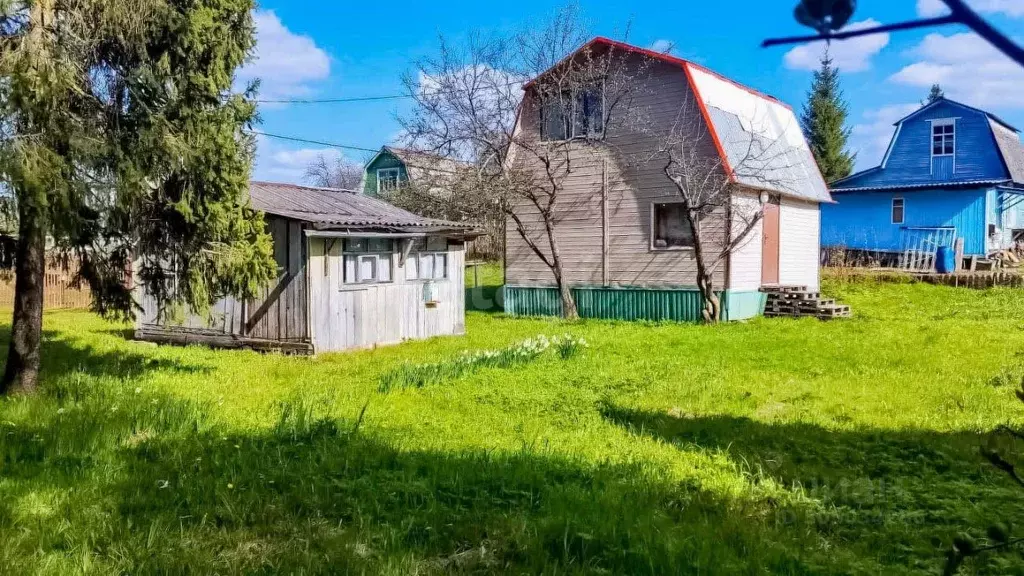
(328, 208)
(760, 137)
(957, 184)
(1009, 147)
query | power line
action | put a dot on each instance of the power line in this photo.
(333, 100)
(317, 142)
(355, 99)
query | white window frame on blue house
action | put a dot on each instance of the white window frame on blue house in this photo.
(903, 210)
(397, 178)
(943, 136)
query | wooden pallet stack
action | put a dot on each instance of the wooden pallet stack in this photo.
(798, 301)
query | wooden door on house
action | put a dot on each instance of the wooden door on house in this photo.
(770, 243)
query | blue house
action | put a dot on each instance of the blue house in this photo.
(951, 171)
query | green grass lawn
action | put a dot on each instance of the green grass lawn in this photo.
(774, 446)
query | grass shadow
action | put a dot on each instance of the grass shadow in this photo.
(898, 493)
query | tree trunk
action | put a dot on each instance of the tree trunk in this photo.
(712, 312)
(569, 310)
(23, 357)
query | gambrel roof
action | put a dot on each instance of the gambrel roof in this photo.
(736, 116)
(987, 152)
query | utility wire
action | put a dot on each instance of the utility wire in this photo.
(383, 97)
(317, 142)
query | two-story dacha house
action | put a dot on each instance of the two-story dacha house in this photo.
(951, 172)
(626, 249)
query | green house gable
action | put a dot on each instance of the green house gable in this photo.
(384, 160)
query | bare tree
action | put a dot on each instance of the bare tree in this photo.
(719, 198)
(336, 173)
(468, 101)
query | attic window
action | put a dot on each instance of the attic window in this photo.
(943, 137)
(387, 179)
(573, 114)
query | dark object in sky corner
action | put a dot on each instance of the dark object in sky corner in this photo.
(825, 15)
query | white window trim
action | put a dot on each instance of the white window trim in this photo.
(654, 214)
(398, 176)
(892, 208)
(434, 254)
(931, 137)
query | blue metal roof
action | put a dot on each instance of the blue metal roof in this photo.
(924, 186)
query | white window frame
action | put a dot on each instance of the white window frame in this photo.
(398, 177)
(415, 260)
(942, 122)
(903, 210)
(381, 261)
(654, 229)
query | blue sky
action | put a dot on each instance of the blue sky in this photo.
(330, 49)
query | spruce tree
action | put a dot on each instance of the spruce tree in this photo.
(123, 145)
(823, 120)
(935, 94)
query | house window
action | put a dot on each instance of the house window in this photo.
(670, 227)
(427, 266)
(568, 116)
(387, 179)
(898, 210)
(943, 137)
(367, 260)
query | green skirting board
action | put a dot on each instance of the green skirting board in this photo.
(671, 304)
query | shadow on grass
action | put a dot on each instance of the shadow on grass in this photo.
(152, 491)
(896, 493)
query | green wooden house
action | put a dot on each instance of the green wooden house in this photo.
(393, 167)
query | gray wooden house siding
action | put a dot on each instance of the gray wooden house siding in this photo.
(604, 228)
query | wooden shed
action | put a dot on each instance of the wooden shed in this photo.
(353, 272)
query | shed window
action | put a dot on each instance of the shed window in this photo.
(568, 115)
(671, 227)
(943, 138)
(367, 260)
(427, 266)
(387, 179)
(898, 210)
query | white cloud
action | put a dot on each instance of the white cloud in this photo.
(871, 136)
(287, 63)
(852, 55)
(275, 163)
(663, 45)
(1012, 8)
(967, 68)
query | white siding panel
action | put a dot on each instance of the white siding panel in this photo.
(800, 234)
(745, 260)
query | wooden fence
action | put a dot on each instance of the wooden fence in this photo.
(58, 291)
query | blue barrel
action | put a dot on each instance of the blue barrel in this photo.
(945, 260)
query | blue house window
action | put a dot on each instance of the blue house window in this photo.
(898, 210)
(943, 137)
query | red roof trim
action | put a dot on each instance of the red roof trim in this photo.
(662, 57)
(710, 124)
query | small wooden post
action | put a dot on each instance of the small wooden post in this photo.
(958, 250)
(605, 276)
(476, 275)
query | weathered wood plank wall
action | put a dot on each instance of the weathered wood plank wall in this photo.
(352, 316)
(277, 315)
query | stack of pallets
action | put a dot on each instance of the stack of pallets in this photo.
(798, 301)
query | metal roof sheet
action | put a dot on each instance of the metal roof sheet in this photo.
(958, 184)
(334, 208)
(1010, 149)
(761, 139)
